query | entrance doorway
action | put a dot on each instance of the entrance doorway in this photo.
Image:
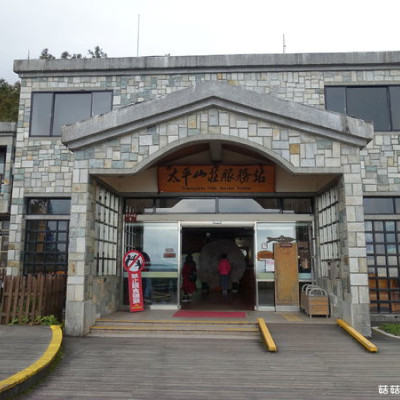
(206, 246)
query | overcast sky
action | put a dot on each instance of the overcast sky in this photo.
(189, 27)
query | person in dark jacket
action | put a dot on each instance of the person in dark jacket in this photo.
(189, 277)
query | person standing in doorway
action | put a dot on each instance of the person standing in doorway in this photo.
(224, 269)
(189, 277)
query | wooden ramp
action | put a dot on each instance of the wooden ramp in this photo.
(314, 361)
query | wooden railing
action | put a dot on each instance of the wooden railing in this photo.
(25, 298)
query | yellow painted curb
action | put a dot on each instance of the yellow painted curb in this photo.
(269, 342)
(357, 335)
(43, 362)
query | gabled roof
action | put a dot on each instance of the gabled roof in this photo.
(264, 107)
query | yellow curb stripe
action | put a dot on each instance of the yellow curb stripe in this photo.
(186, 321)
(138, 328)
(357, 335)
(45, 360)
(269, 342)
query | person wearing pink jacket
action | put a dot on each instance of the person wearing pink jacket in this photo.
(224, 269)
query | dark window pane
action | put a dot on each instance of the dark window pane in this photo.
(59, 206)
(368, 225)
(43, 252)
(370, 104)
(63, 226)
(102, 102)
(70, 108)
(390, 226)
(3, 152)
(299, 206)
(49, 206)
(41, 114)
(335, 99)
(397, 202)
(139, 206)
(395, 106)
(378, 205)
(271, 204)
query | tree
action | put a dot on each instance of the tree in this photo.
(66, 56)
(9, 101)
(97, 53)
(45, 55)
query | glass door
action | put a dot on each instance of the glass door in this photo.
(267, 234)
(160, 245)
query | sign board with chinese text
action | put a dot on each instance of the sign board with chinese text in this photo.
(134, 263)
(221, 178)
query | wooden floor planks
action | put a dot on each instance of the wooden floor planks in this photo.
(312, 362)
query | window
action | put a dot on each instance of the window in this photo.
(47, 236)
(3, 153)
(52, 110)
(383, 259)
(328, 227)
(381, 205)
(4, 234)
(45, 206)
(379, 104)
(219, 205)
(107, 216)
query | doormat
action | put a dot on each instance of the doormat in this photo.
(209, 314)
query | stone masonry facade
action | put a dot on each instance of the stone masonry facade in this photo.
(47, 167)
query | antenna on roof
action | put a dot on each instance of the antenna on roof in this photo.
(138, 33)
(283, 44)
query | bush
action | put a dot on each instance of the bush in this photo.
(392, 328)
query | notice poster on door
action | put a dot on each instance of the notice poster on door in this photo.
(269, 265)
(134, 263)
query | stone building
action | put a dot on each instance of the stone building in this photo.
(170, 155)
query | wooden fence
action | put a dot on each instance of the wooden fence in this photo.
(27, 297)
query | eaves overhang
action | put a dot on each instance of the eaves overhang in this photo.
(264, 107)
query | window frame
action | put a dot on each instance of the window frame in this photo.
(53, 104)
(31, 267)
(346, 105)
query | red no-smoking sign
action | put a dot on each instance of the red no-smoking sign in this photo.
(133, 263)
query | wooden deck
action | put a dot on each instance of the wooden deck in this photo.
(312, 362)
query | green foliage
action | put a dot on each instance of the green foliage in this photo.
(9, 101)
(19, 321)
(97, 52)
(47, 320)
(392, 328)
(45, 55)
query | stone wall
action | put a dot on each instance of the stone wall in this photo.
(44, 166)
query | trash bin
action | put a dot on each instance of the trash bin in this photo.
(317, 301)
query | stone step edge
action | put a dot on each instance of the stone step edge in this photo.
(172, 322)
(159, 329)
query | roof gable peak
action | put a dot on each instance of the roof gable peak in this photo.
(224, 96)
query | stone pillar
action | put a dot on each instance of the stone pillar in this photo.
(80, 310)
(354, 272)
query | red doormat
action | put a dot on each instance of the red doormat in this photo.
(209, 314)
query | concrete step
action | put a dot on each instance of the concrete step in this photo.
(218, 328)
